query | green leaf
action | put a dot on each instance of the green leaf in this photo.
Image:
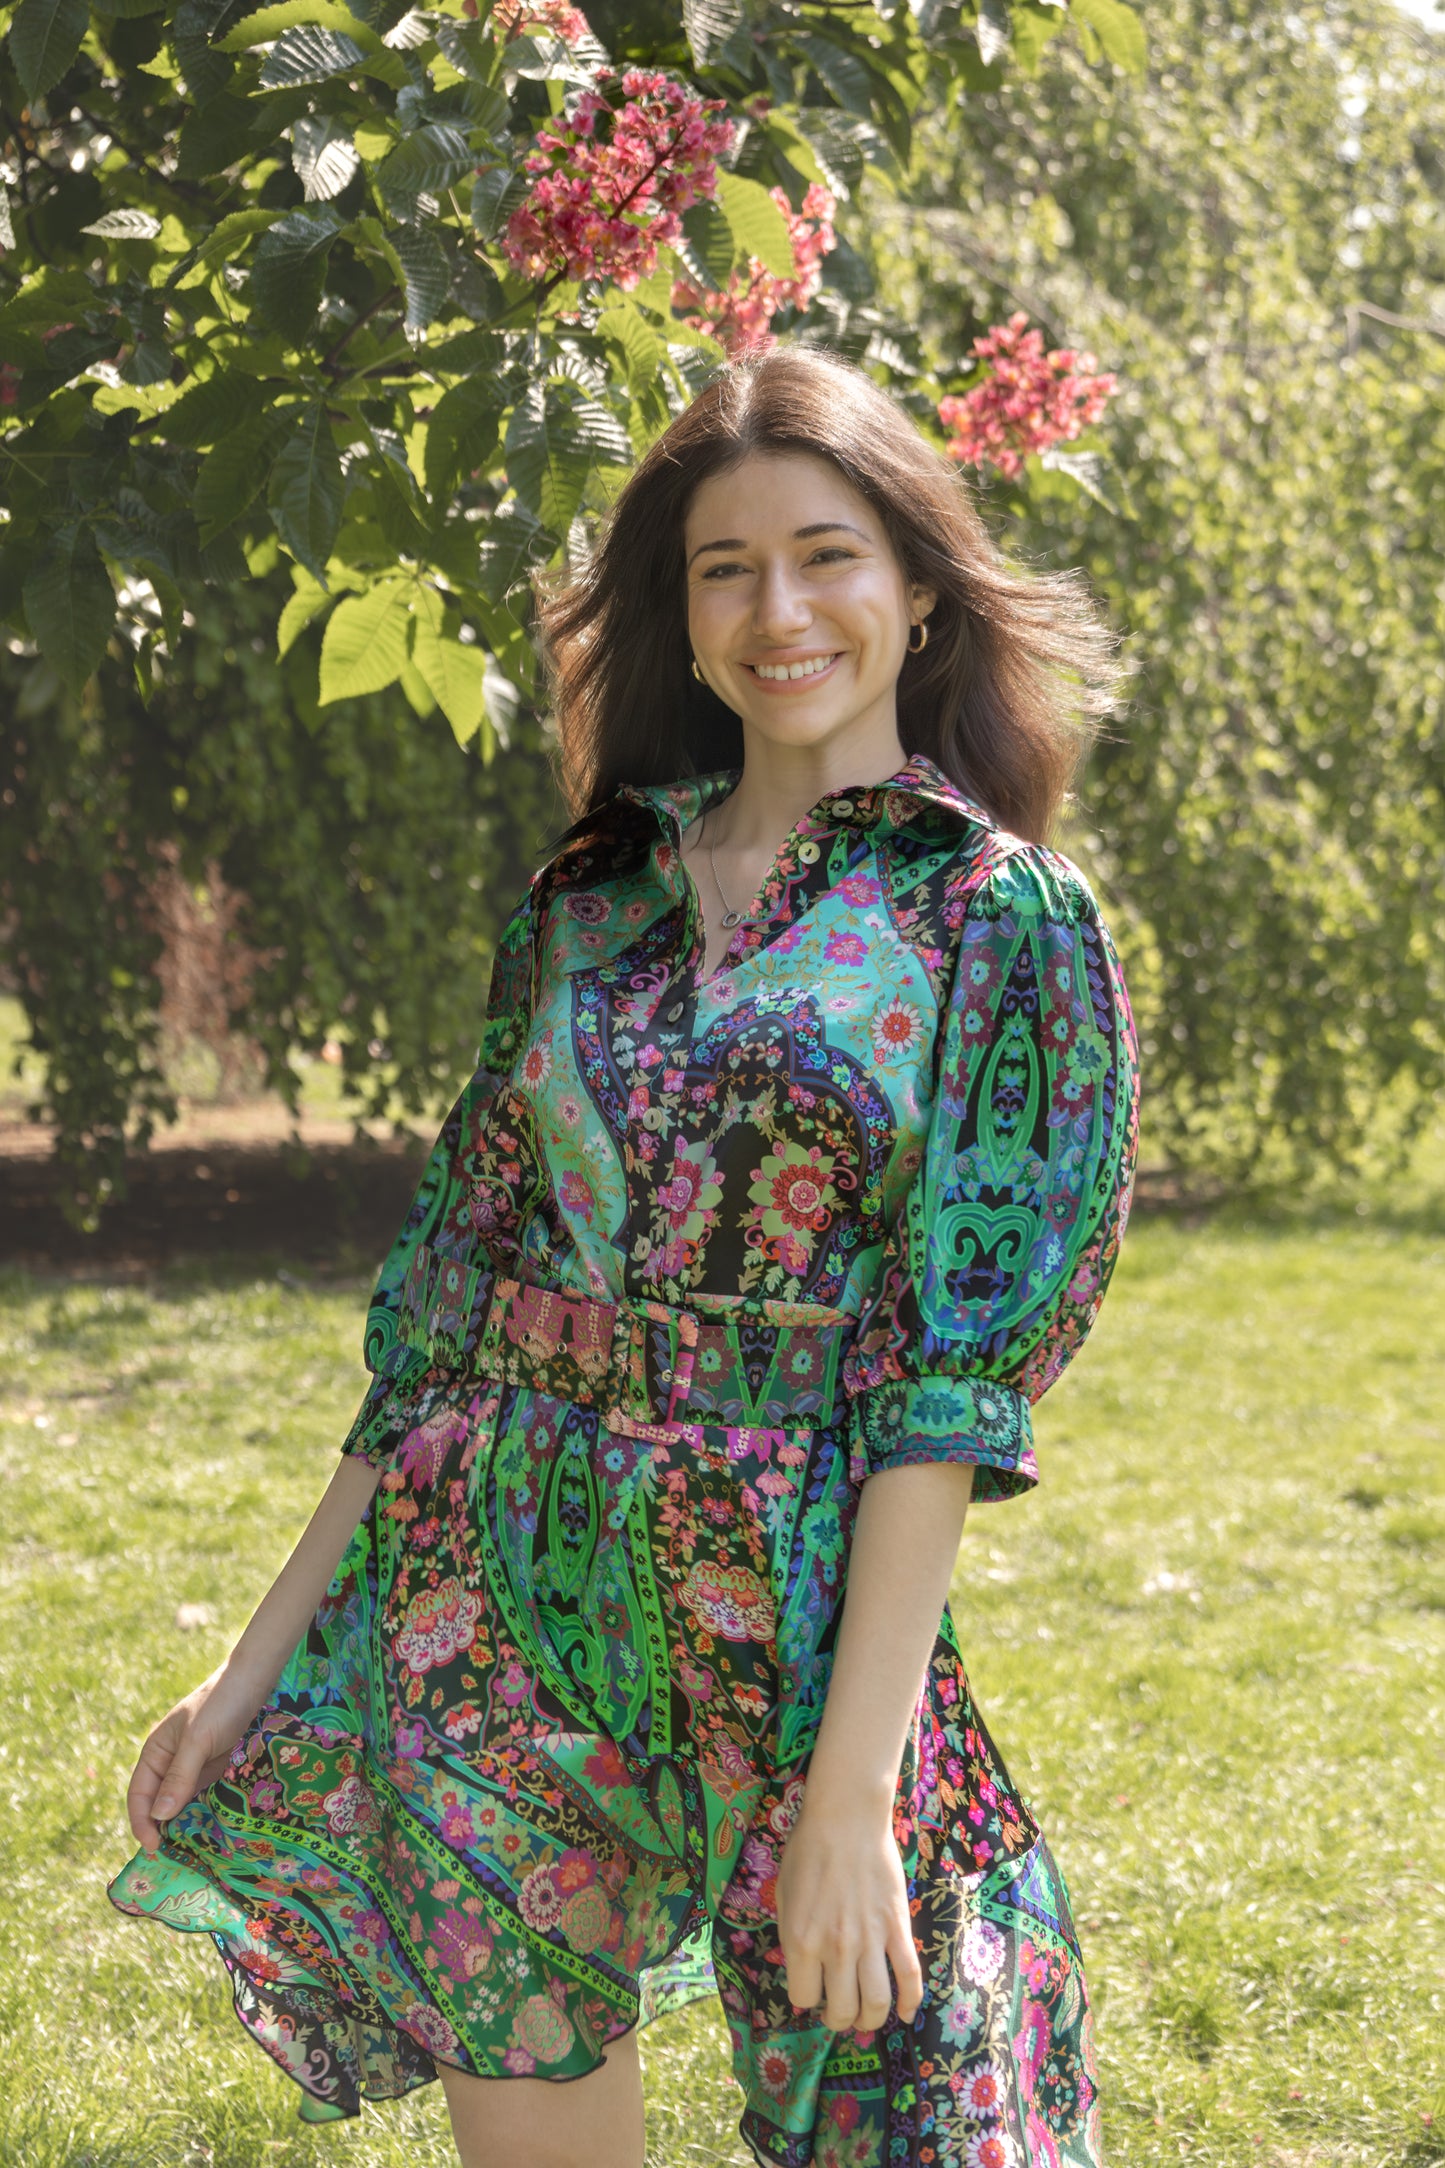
(45, 37)
(512, 542)
(1118, 29)
(288, 272)
(502, 700)
(495, 195)
(710, 242)
(263, 26)
(70, 606)
(1032, 29)
(309, 600)
(469, 48)
(842, 72)
(206, 71)
(211, 409)
(306, 491)
(323, 156)
(310, 56)
(841, 146)
(554, 438)
(126, 224)
(221, 245)
(758, 226)
(708, 24)
(1091, 471)
(552, 60)
(234, 473)
(51, 297)
(462, 432)
(414, 685)
(630, 330)
(452, 672)
(426, 273)
(993, 31)
(424, 164)
(218, 135)
(364, 647)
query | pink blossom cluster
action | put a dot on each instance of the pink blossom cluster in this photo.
(509, 18)
(611, 186)
(1028, 401)
(741, 317)
(9, 384)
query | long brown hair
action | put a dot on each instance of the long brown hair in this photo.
(1017, 670)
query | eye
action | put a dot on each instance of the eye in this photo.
(833, 553)
(723, 571)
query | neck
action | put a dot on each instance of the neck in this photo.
(780, 783)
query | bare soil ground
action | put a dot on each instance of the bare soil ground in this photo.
(241, 1181)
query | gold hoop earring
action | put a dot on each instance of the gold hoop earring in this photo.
(697, 673)
(921, 628)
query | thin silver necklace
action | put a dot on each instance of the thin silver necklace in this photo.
(730, 917)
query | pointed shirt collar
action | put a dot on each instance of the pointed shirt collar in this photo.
(920, 786)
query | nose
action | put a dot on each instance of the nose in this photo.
(781, 609)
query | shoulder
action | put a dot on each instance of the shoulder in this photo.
(992, 874)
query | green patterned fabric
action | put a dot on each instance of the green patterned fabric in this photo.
(692, 1260)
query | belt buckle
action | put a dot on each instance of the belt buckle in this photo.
(651, 1373)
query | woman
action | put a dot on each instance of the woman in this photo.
(793, 1171)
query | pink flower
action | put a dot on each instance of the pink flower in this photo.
(509, 18)
(845, 948)
(9, 383)
(611, 184)
(741, 317)
(1027, 401)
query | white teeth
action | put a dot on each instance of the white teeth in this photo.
(793, 669)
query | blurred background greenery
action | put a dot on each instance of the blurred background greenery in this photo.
(1251, 233)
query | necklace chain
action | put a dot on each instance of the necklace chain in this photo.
(730, 918)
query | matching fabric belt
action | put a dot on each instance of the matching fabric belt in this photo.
(649, 1366)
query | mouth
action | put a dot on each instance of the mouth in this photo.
(805, 671)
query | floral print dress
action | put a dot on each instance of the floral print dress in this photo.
(692, 1260)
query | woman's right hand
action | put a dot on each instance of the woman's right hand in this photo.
(188, 1749)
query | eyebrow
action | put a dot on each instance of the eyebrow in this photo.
(800, 534)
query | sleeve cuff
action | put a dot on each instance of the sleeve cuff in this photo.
(903, 1421)
(385, 1415)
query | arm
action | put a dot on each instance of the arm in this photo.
(191, 1745)
(842, 1898)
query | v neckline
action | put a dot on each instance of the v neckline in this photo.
(737, 951)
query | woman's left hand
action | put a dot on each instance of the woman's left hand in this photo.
(843, 1916)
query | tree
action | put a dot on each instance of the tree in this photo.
(368, 857)
(339, 320)
(401, 292)
(1255, 236)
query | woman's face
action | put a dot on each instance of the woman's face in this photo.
(797, 608)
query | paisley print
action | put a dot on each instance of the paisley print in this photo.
(691, 1261)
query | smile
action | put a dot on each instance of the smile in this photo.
(779, 673)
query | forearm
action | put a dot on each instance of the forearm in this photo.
(288, 1607)
(900, 1563)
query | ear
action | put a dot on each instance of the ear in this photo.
(921, 600)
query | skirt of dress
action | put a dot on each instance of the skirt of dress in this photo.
(527, 1779)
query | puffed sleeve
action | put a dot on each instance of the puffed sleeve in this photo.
(440, 1216)
(1010, 1229)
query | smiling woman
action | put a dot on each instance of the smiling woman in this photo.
(1000, 694)
(733, 1277)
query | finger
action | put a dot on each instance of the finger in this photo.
(182, 1779)
(840, 1986)
(907, 1971)
(803, 1978)
(147, 1777)
(875, 1989)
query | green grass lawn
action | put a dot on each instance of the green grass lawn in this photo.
(1210, 1646)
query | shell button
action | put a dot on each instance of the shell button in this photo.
(674, 1014)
